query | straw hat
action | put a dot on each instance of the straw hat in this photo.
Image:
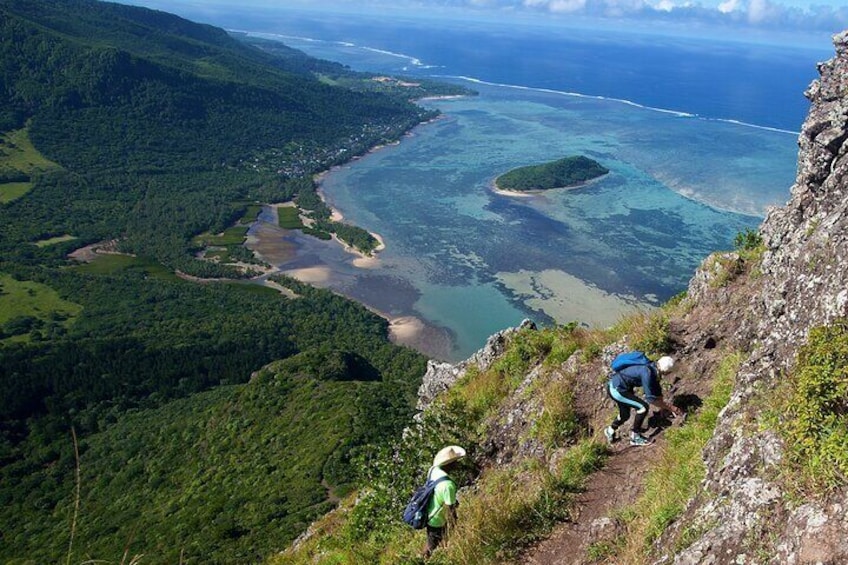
(665, 364)
(447, 455)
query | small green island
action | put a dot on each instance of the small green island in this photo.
(562, 173)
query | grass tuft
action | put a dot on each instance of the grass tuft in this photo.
(646, 331)
(515, 506)
(812, 412)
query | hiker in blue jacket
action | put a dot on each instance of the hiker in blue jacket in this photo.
(620, 389)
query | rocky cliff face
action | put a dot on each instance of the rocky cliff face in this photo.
(440, 376)
(802, 285)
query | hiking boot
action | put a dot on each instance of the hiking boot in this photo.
(639, 440)
(610, 434)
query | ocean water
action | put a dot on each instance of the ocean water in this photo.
(699, 136)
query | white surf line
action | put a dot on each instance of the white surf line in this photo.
(417, 63)
(414, 61)
(746, 124)
(281, 36)
(677, 113)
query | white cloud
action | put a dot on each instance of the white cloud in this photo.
(761, 11)
(567, 6)
(728, 6)
(769, 14)
(665, 6)
(830, 16)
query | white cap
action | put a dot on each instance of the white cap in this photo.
(665, 364)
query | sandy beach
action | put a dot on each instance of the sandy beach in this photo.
(493, 186)
(363, 260)
(514, 193)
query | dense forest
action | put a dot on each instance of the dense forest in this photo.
(565, 172)
(142, 412)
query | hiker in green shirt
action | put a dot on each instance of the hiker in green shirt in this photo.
(442, 506)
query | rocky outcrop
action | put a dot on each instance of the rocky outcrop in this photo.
(743, 511)
(440, 376)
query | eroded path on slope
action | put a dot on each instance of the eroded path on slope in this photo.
(615, 486)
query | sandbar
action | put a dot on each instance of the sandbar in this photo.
(364, 262)
(415, 333)
(514, 193)
(310, 274)
(405, 329)
(567, 298)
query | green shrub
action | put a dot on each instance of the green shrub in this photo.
(747, 240)
(750, 246)
(812, 414)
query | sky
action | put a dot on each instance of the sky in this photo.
(818, 16)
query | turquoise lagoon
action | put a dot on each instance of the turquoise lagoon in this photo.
(468, 261)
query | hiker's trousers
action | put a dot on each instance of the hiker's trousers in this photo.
(626, 402)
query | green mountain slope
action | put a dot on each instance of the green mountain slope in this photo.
(223, 477)
(147, 130)
(159, 124)
(128, 375)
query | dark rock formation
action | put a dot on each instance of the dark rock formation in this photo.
(440, 376)
(743, 508)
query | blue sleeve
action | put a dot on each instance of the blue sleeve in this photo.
(650, 384)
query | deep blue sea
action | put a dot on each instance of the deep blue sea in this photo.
(700, 136)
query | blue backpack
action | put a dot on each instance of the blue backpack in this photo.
(624, 360)
(415, 513)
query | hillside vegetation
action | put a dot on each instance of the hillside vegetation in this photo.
(163, 128)
(531, 417)
(528, 420)
(155, 137)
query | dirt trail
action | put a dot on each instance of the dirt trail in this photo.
(611, 488)
(699, 343)
(620, 482)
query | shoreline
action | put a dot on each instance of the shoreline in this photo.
(370, 260)
(406, 330)
(493, 186)
(363, 260)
